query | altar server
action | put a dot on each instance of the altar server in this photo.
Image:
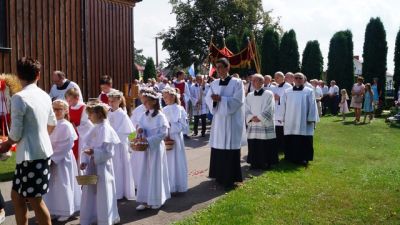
(225, 100)
(260, 107)
(299, 113)
(198, 93)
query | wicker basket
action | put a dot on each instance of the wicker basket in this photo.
(169, 144)
(138, 145)
(86, 179)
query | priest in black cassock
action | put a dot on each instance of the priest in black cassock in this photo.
(260, 107)
(299, 113)
(225, 99)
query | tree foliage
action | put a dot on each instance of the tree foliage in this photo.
(340, 60)
(197, 20)
(312, 62)
(139, 57)
(289, 58)
(375, 53)
(149, 69)
(396, 75)
(270, 52)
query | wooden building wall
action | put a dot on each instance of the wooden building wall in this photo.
(83, 38)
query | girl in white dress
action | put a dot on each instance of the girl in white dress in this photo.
(137, 157)
(344, 108)
(121, 123)
(64, 196)
(153, 188)
(99, 202)
(177, 164)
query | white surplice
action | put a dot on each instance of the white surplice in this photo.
(99, 202)
(227, 128)
(137, 157)
(264, 108)
(153, 187)
(177, 164)
(280, 90)
(298, 111)
(124, 183)
(64, 196)
(198, 95)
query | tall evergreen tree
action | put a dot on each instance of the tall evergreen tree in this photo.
(232, 44)
(340, 64)
(149, 70)
(270, 52)
(375, 54)
(396, 75)
(313, 63)
(289, 53)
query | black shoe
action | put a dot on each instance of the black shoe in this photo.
(194, 134)
(203, 135)
(185, 136)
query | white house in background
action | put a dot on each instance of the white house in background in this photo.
(357, 65)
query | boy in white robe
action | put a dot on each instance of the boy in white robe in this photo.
(121, 124)
(260, 107)
(198, 92)
(64, 196)
(99, 202)
(177, 164)
(225, 100)
(153, 188)
(299, 113)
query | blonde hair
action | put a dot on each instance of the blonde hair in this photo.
(64, 105)
(343, 92)
(73, 92)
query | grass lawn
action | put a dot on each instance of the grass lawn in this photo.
(7, 169)
(354, 179)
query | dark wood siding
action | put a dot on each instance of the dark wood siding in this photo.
(84, 38)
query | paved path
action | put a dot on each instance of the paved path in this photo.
(202, 192)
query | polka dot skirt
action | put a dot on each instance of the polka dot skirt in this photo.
(31, 178)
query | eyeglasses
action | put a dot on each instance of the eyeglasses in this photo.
(58, 109)
(298, 78)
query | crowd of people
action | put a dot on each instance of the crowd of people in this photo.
(59, 134)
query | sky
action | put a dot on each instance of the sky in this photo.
(311, 19)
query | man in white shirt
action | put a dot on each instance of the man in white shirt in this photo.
(324, 100)
(61, 85)
(32, 119)
(333, 94)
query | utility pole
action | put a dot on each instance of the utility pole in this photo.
(156, 52)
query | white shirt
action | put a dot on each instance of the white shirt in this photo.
(334, 90)
(31, 112)
(325, 90)
(56, 93)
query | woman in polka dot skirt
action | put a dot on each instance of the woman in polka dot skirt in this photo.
(64, 197)
(32, 119)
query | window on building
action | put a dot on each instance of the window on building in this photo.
(3, 24)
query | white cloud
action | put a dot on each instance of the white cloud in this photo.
(311, 19)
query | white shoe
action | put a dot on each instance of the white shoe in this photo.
(156, 206)
(141, 207)
(116, 221)
(63, 218)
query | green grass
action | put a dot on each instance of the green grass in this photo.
(7, 169)
(354, 179)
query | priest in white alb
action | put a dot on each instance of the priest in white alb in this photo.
(225, 100)
(299, 114)
(260, 107)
